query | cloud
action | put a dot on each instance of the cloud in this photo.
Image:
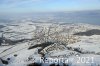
(16, 1)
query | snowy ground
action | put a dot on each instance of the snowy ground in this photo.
(78, 50)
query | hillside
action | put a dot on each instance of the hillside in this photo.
(24, 43)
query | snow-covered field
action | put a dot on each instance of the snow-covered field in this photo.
(24, 43)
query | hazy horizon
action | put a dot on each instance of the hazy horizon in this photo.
(32, 6)
(84, 11)
(91, 17)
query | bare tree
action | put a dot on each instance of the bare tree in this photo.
(42, 33)
(52, 33)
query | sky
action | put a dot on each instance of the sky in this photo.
(27, 6)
